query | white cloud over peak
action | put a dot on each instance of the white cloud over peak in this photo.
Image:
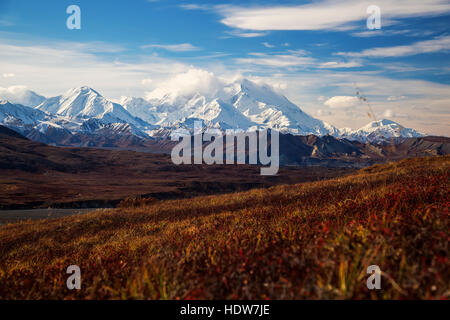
(12, 91)
(186, 83)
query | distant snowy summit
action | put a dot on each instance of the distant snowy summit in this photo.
(85, 103)
(380, 131)
(240, 105)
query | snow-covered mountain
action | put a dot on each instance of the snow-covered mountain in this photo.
(21, 95)
(173, 108)
(85, 103)
(19, 117)
(239, 105)
(223, 115)
(99, 127)
(267, 108)
(141, 108)
(380, 131)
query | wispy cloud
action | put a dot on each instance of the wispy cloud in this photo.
(278, 60)
(181, 47)
(427, 46)
(325, 15)
(294, 58)
(97, 47)
(298, 52)
(382, 32)
(194, 6)
(267, 45)
(244, 34)
(401, 67)
(340, 64)
(395, 98)
(390, 32)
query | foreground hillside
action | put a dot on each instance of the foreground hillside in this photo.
(311, 240)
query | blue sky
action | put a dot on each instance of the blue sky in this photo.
(314, 52)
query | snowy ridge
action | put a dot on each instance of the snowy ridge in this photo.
(269, 109)
(19, 117)
(98, 126)
(223, 115)
(140, 108)
(242, 104)
(380, 131)
(84, 103)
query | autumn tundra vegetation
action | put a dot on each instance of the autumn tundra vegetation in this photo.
(312, 240)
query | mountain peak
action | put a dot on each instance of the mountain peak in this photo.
(84, 102)
(83, 90)
(381, 123)
(380, 131)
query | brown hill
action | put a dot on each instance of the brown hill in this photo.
(33, 174)
(37, 175)
(306, 241)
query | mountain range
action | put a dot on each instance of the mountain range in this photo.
(83, 117)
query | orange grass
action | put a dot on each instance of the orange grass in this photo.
(312, 240)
